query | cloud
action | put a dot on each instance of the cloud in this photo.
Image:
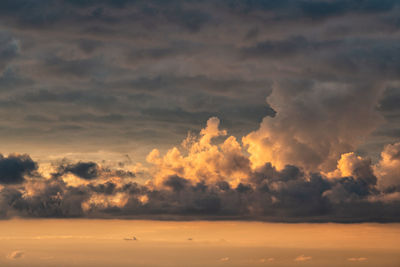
(90, 170)
(388, 168)
(323, 9)
(224, 259)
(15, 255)
(211, 178)
(84, 170)
(175, 182)
(178, 62)
(300, 133)
(14, 168)
(289, 47)
(9, 48)
(127, 76)
(204, 161)
(303, 258)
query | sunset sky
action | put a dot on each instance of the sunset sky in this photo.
(273, 111)
(104, 243)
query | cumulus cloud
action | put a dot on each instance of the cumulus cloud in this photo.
(388, 168)
(314, 125)
(210, 176)
(203, 161)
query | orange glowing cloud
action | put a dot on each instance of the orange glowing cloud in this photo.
(202, 160)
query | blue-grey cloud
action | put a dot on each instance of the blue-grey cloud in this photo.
(14, 168)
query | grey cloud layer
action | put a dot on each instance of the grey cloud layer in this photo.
(87, 66)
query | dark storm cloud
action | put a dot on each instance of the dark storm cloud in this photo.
(14, 168)
(84, 170)
(90, 170)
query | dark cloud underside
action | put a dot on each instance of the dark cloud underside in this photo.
(290, 195)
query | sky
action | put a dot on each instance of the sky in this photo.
(262, 110)
(102, 243)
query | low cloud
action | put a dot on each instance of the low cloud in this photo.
(303, 258)
(15, 255)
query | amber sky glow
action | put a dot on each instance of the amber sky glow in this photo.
(104, 242)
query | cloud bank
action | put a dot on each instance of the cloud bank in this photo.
(210, 176)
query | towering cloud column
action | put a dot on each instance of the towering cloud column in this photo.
(315, 124)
